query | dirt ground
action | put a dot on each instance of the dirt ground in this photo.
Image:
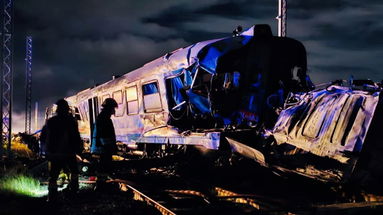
(109, 200)
(85, 202)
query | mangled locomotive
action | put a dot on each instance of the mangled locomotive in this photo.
(229, 94)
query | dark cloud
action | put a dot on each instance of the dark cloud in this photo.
(363, 35)
(329, 73)
(352, 70)
(315, 6)
(361, 38)
(238, 9)
(173, 17)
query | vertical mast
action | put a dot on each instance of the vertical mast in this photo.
(7, 74)
(36, 116)
(28, 85)
(282, 27)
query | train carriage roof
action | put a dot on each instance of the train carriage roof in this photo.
(185, 57)
(205, 54)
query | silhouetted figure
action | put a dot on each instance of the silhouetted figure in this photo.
(62, 139)
(104, 139)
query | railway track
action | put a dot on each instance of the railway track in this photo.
(223, 201)
(138, 195)
(170, 202)
(199, 189)
(187, 201)
(172, 192)
(243, 189)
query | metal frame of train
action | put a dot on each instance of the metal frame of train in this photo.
(248, 94)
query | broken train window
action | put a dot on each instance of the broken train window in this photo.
(198, 94)
(152, 99)
(176, 96)
(202, 82)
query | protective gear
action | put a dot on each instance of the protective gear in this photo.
(104, 140)
(104, 137)
(62, 103)
(61, 137)
(109, 103)
(62, 107)
(62, 142)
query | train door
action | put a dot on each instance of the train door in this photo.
(93, 112)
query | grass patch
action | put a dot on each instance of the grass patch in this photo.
(22, 185)
(21, 150)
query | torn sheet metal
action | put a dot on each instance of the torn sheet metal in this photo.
(209, 55)
(328, 122)
(247, 151)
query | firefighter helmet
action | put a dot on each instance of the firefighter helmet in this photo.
(62, 106)
(109, 103)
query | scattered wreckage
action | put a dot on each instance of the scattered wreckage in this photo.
(248, 94)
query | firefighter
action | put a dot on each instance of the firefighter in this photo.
(62, 139)
(104, 140)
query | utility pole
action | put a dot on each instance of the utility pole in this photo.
(7, 74)
(28, 84)
(36, 116)
(282, 27)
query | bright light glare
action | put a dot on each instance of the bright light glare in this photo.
(23, 185)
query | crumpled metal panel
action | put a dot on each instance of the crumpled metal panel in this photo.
(328, 122)
(165, 135)
(247, 151)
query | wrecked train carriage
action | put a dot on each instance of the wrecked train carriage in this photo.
(332, 135)
(200, 94)
(219, 93)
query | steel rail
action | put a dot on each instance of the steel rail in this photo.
(137, 195)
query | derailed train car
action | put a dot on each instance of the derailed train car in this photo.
(191, 95)
(332, 134)
(229, 94)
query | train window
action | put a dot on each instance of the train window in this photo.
(132, 100)
(150, 88)
(77, 113)
(102, 100)
(152, 99)
(131, 94)
(175, 92)
(83, 107)
(119, 99)
(104, 97)
(118, 96)
(201, 85)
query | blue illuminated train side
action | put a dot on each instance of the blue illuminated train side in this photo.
(200, 90)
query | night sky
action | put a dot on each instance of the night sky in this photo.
(79, 43)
